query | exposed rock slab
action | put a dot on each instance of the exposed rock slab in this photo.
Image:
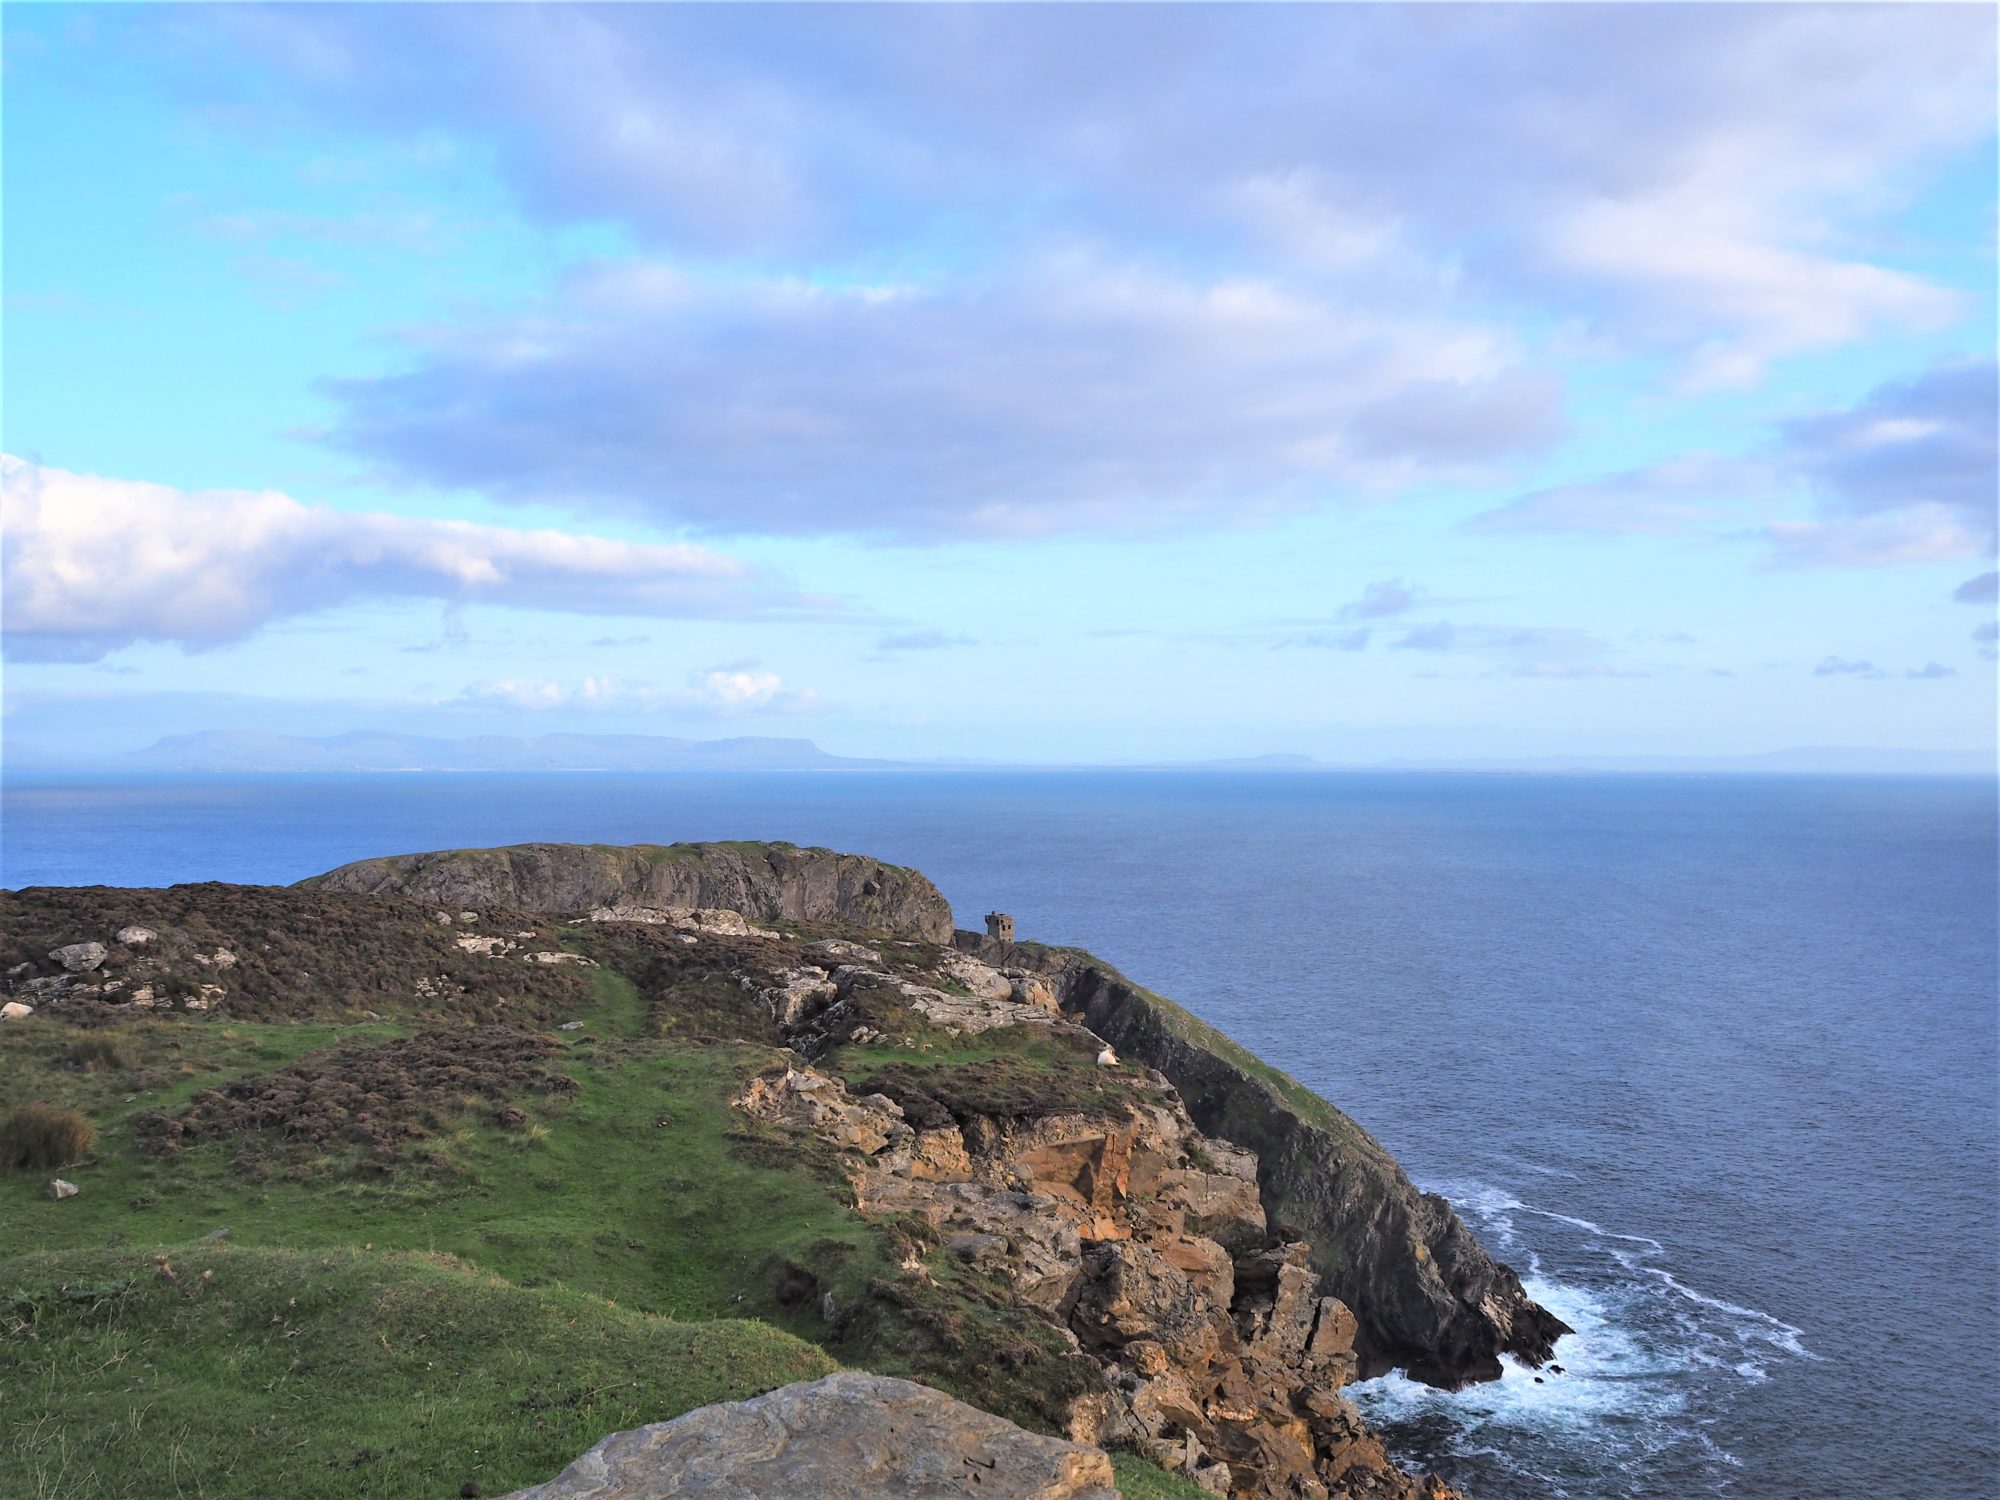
(79, 958)
(844, 1437)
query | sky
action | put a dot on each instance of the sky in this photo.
(1034, 384)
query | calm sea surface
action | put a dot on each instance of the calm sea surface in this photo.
(1712, 1062)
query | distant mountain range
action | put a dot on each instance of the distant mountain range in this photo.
(249, 750)
(363, 750)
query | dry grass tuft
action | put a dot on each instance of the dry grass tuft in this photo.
(92, 1054)
(41, 1137)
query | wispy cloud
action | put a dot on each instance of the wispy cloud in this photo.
(1552, 652)
(1328, 640)
(1981, 588)
(923, 640)
(1677, 497)
(1379, 600)
(1908, 474)
(1841, 666)
(93, 564)
(1441, 635)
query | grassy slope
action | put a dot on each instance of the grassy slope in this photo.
(637, 1201)
(335, 1373)
(636, 1191)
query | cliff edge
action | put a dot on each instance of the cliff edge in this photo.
(1428, 1298)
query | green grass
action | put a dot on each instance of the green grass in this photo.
(1141, 1480)
(335, 1373)
(630, 1249)
(343, 1373)
(647, 1187)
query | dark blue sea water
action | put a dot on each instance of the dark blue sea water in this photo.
(1711, 1061)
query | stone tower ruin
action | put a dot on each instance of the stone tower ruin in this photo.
(1000, 926)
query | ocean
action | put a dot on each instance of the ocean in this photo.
(1711, 1061)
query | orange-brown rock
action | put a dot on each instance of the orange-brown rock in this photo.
(1146, 1241)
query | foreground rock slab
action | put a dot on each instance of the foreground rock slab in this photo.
(845, 1437)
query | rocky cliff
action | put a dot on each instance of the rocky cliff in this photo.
(1040, 1163)
(773, 881)
(778, 1088)
(1427, 1297)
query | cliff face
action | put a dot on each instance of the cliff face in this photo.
(1427, 1297)
(774, 881)
(1087, 1198)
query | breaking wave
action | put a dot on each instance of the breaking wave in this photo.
(1627, 1407)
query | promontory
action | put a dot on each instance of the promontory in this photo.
(584, 1170)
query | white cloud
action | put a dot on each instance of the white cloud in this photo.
(1910, 473)
(92, 564)
(1698, 179)
(734, 690)
(1069, 391)
(1922, 533)
(1001, 270)
(1689, 266)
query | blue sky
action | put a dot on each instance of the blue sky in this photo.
(1045, 383)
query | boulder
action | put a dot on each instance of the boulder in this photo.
(794, 995)
(60, 1189)
(846, 952)
(845, 1437)
(982, 980)
(79, 958)
(135, 936)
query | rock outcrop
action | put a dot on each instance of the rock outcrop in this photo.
(771, 882)
(1112, 1217)
(1427, 1298)
(844, 1437)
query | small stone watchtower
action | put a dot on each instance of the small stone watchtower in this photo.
(1000, 926)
